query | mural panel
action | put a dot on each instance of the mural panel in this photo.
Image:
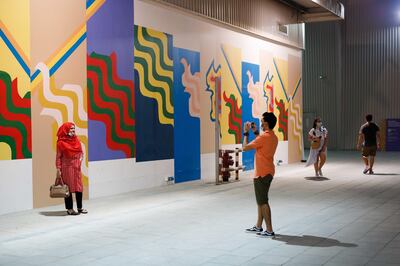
(231, 101)
(254, 104)
(15, 103)
(110, 81)
(187, 87)
(154, 94)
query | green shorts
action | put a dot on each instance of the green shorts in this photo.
(368, 151)
(261, 188)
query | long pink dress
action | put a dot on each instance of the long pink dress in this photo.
(70, 170)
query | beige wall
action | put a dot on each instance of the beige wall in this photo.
(52, 25)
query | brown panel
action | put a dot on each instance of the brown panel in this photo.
(295, 110)
(53, 24)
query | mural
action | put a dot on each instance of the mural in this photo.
(187, 86)
(154, 94)
(15, 120)
(58, 85)
(212, 75)
(110, 81)
(15, 103)
(296, 145)
(131, 93)
(231, 102)
(254, 104)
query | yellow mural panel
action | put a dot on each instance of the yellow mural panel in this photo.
(15, 41)
(295, 110)
(231, 98)
(281, 100)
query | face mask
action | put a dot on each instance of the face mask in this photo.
(70, 134)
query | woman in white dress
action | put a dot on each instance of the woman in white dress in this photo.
(318, 136)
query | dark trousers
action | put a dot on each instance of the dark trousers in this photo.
(69, 202)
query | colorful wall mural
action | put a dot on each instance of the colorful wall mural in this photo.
(110, 86)
(58, 85)
(15, 103)
(254, 104)
(187, 87)
(231, 101)
(154, 79)
(132, 91)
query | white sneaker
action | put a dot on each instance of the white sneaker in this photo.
(266, 234)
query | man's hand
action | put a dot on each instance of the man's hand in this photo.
(247, 127)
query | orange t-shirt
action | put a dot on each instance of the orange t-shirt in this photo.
(265, 146)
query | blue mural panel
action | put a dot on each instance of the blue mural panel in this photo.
(187, 114)
(111, 112)
(154, 73)
(247, 102)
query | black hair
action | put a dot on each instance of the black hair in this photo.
(368, 117)
(315, 122)
(270, 118)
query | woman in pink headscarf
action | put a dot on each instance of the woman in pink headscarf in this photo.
(68, 163)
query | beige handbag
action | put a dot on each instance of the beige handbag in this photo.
(59, 190)
(315, 144)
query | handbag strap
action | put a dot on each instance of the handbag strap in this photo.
(62, 181)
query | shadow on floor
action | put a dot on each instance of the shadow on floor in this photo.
(384, 174)
(55, 213)
(316, 178)
(312, 241)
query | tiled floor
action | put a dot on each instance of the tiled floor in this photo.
(345, 219)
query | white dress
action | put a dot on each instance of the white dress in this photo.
(315, 132)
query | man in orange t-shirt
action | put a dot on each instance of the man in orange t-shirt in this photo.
(265, 146)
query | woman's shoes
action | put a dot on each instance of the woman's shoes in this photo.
(72, 212)
(83, 211)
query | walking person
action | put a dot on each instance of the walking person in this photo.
(369, 139)
(68, 162)
(318, 136)
(264, 169)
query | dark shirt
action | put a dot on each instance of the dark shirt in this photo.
(369, 130)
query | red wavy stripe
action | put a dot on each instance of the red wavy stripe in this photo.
(110, 143)
(23, 103)
(16, 136)
(236, 127)
(271, 105)
(110, 92)
(106, 105)
(122, 82)
(283, 118)
(234, 109)
(24, 119)
(17, 100)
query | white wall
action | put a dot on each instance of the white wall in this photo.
(120, 176)
(16, 186)
(208, 167)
